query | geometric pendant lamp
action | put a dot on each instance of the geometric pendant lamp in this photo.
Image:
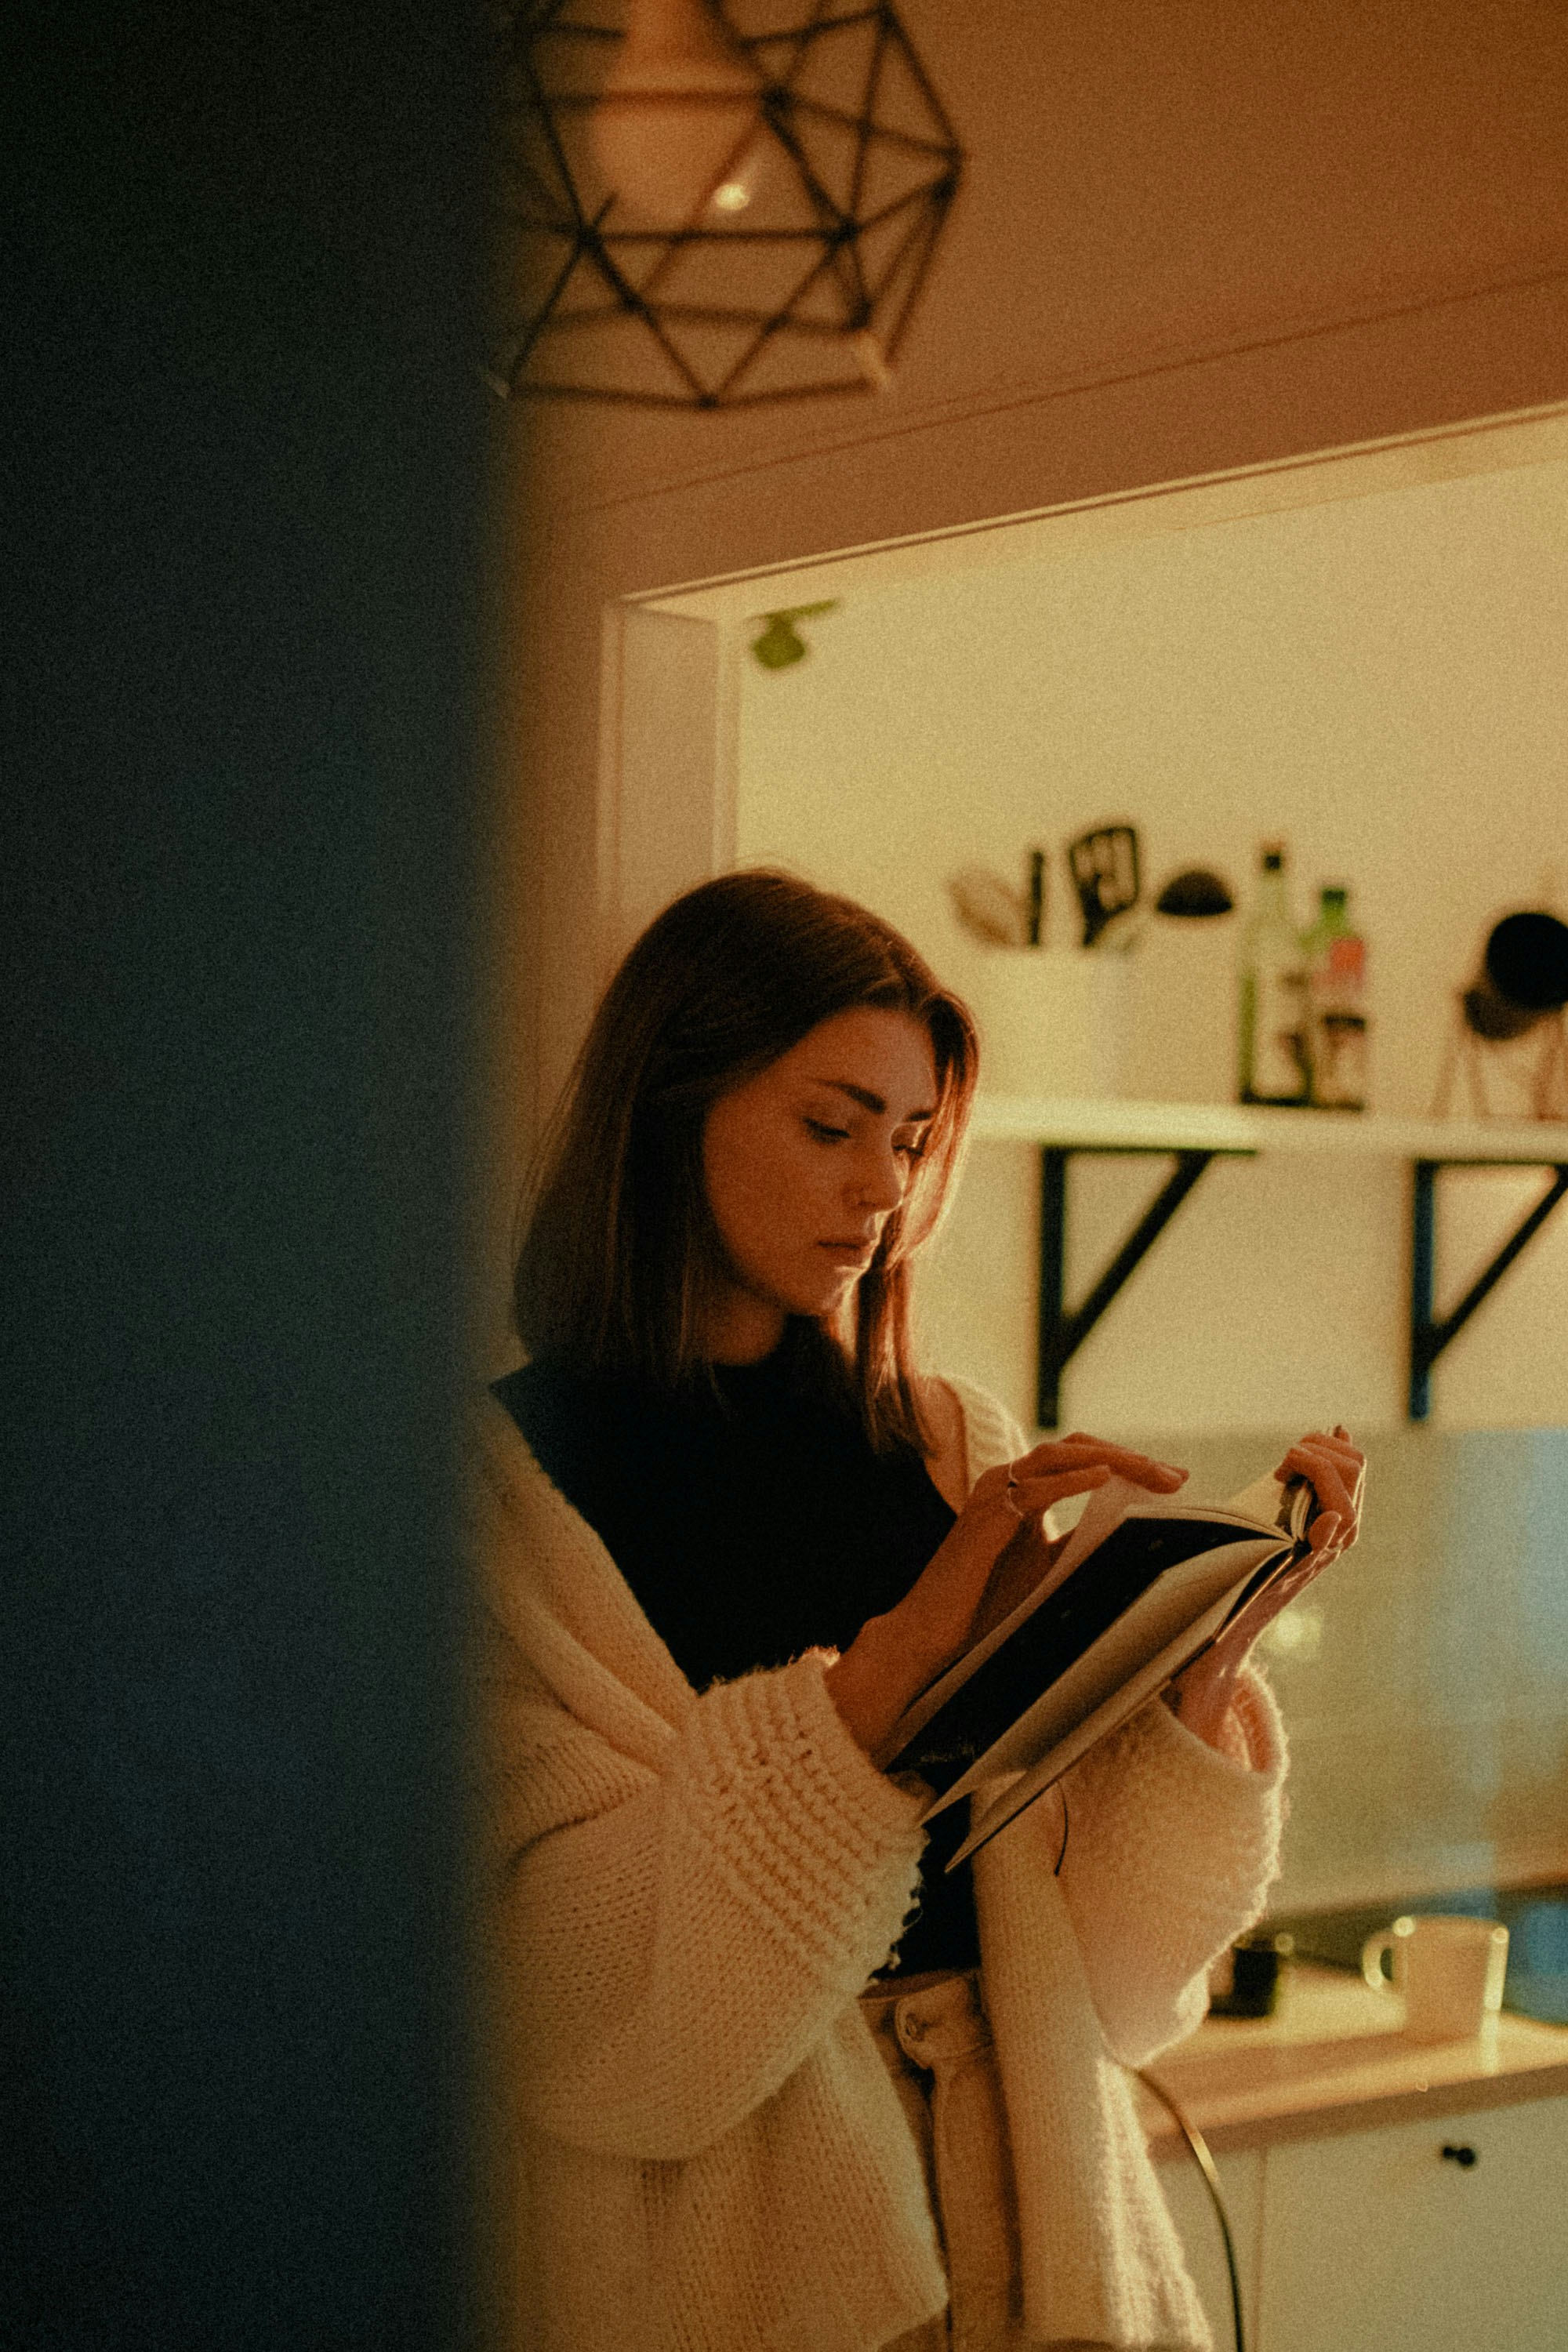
(711, 203)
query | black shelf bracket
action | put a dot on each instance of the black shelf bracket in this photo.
(1429, 1332)
(1064, 1329)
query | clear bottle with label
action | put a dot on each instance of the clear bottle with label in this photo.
(1274, 1051)
(1336, 1005)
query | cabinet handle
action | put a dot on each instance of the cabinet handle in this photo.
(1462, 2156)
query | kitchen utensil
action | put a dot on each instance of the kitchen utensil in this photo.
(1104, 863)
(1449, 1967)
(1196, 891)
(1037, 897)
(989, 908)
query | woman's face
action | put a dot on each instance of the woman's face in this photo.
(804, 1165)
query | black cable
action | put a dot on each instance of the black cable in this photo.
(1205, 2165)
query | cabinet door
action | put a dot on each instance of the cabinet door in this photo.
(1378, 2242)
(1241, 2186)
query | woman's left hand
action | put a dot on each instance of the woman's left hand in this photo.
(1336, 1471)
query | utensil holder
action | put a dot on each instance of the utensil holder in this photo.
(1052, 1021)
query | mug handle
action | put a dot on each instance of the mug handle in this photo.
(1372, 1953)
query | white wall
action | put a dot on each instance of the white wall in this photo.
(1380, 681)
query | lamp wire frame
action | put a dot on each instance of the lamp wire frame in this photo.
(810, 297)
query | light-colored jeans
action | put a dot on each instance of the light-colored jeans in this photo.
(933, 2032)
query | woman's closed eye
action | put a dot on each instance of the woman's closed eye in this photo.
(912, 1148)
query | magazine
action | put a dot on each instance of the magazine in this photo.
(1064, 1651)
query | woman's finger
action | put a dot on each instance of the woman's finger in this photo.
(1350, 1458)
(1323, 1473)
(998, 1497)
(1335, 1442)
(1322, 1536)
(1028, 1496)
(1347, 1456)
(1062, 1453)
(1323, 1476)
(1082, 1443)
(1088, 1449)
(999, 1503)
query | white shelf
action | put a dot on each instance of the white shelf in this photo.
(1113, 1124)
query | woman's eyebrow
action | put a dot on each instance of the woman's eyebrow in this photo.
(868, 1101)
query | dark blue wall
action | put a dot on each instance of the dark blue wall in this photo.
(246, 475)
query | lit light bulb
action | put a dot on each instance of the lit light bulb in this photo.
(671, 129)
(745, 177)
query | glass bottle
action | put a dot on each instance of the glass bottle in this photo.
(1274, 1065)
(1336, 1003)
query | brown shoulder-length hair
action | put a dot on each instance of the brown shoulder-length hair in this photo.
(620, 1258)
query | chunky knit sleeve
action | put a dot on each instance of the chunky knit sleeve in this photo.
(686, 1908)
(1172, 1847)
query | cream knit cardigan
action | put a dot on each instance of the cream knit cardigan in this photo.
(698, 2147)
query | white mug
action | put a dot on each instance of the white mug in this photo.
(1449, 1967)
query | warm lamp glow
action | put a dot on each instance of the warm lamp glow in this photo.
(673, 128)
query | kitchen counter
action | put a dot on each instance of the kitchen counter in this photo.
(1333, 2058)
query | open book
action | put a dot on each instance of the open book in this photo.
(1063, 1652)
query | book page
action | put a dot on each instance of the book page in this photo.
(1146, 1648)
(1110, 1507)
(1141, 1687)
(1174, 1608)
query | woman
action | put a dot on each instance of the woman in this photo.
(771, 2085)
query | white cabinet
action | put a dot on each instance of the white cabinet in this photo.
(1376, 2241)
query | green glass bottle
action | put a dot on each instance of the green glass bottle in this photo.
(1273, 1040)
(1336, 1005)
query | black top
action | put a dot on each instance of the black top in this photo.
(752, 1524)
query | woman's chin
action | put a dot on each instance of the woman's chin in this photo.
(838, 1310)
(819, 1302)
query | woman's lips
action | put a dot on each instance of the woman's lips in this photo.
(857, 1254)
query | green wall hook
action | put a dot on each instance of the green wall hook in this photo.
(781, 643)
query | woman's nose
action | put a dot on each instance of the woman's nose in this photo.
(880, 1180)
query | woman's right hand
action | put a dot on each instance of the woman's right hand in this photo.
(894, 1656)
